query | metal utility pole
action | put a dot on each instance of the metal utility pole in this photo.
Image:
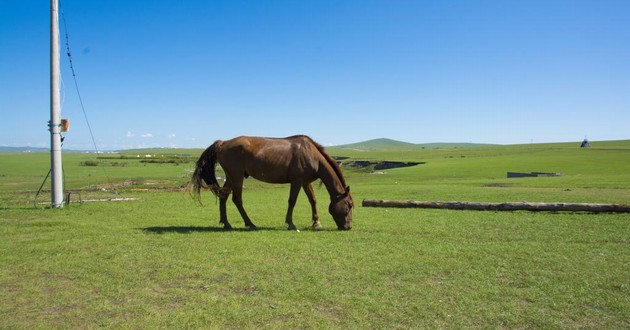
(55, 110)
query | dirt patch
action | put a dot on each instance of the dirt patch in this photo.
(380, 165)
(387, 165)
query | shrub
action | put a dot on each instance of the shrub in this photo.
(90, 162)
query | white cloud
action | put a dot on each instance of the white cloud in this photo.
(172, 135)
(147, 135)
(130, 134)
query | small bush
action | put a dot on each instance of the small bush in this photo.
(90, 162)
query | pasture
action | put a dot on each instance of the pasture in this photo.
(164, 262)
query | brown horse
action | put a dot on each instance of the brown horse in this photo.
(297, 160)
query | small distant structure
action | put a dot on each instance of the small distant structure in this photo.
(585, 144)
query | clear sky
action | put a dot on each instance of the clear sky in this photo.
(185, 73)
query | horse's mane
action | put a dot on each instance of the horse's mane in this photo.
(330, 160)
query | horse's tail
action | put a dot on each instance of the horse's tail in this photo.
(204, 174)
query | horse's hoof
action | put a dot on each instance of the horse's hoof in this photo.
(253, 228)
(227, 227)
(317, 225)
(292, 227)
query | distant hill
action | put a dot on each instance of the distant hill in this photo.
(22, 149)
(384, 143)
(370, 145)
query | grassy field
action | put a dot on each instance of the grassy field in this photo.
(163, 261)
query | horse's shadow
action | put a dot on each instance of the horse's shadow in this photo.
(199, 229)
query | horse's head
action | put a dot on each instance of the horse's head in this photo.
(341, 210)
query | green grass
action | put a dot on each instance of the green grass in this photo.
(164, 262)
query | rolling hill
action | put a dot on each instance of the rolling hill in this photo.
(389, 144)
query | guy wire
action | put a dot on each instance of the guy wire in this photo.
(76, 85)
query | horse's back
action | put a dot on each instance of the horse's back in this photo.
(276, 160)
(256, 144)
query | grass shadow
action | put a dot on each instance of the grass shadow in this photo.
(199, 229)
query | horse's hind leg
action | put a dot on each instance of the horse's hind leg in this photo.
(237, 198)
(293, 194)
(308, 189)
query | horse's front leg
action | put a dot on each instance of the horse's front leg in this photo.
(308, 189)
(293, 194)
(237, 198)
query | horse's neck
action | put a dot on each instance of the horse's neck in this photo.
(329, 178)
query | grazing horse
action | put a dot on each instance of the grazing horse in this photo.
(297, 160)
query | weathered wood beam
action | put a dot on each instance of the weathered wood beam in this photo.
(519, 206)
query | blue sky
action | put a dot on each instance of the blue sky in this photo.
(185, 73)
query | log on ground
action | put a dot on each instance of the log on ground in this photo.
(519, 206)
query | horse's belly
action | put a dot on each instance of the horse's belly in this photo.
(267, 172)
(278, 167)
(269, 177)
(280, 174)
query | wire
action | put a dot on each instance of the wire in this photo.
(40, 188)
(76, 86)
(74, 77)
(46, 178)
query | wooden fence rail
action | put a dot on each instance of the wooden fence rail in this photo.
(521, 206)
